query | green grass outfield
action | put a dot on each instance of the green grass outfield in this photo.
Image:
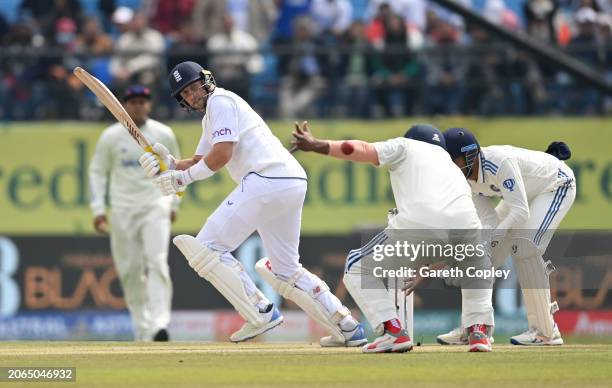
(123, 364)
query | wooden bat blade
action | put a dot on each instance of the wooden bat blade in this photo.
(112, 104)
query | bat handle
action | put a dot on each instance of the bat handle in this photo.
(162, 165)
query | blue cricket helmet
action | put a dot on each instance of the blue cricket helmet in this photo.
(186, 73)
(461, 142)
(427, 133)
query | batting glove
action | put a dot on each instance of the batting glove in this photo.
(150, 162)
(173, 181)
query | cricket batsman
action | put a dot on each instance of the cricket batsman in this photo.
(537, 189)
(140, 216)
(271, 186)
(431, 195)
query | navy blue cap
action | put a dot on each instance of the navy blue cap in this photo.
(137, 91)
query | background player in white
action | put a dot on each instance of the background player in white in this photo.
(140, 216)
(268, 199)
(537, 191)
(431, 195)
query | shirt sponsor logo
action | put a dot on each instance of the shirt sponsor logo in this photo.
(129, 163)
(509, 184)
(222, 132)
(177, 76)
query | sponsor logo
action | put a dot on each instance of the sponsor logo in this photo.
(469, 147)
(177, 76)
(494, 188)
(509, 184)
(229, 203)
(222, 132)
(268, 265)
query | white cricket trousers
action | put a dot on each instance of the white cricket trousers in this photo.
(139, 244)
(271, 206)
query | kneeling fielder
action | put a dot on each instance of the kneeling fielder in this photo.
(268, 199)
(537, 191)
(430, 194)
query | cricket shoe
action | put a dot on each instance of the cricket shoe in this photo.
(478, 339)
(393, 340)
(533, 337)
(355, 337)
(249, 331)
(457, 336)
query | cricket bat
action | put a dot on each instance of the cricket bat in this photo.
(114, 106)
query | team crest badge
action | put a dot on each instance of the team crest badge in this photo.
(509, 184)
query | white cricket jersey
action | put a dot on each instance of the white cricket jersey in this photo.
(428, 187)
(229, 118)
(116, 157)
(516, 175)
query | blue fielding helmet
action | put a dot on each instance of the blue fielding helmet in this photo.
(461, 142)
(427, 133)
(186, 73)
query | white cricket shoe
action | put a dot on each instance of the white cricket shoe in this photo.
(533, 337)
(355, 337)
(457, 336)
(249, 331)
(390, 343)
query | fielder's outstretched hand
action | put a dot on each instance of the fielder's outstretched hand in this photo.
(304, 140)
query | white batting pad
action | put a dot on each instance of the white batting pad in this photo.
(225, 278)
(307, 300)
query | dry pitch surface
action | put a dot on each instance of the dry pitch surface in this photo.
(122, 364)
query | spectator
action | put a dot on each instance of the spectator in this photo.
(187, 46)
(445, 70)
(289, 12)
(302, 83)
(137, 55)
(356, 69)
(483, 93)
(331, 17)
(257, 17)
(397, 72)
(540, 18)
(413, 11)
(106, 8)
(92, 40)
(47, 13)
(169, 14)
(583, 45)
(62, 86)
(122, 17)
(234, 58)
(581, 98)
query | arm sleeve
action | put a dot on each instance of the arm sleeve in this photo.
(392, 152)
(223, 120)
(99, 169)
(513, 192)
(486, 211)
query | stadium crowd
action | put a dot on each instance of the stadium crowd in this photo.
(290, 58)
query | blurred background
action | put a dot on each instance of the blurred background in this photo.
(355, 69)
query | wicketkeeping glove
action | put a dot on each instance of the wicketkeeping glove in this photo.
(150, 162)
